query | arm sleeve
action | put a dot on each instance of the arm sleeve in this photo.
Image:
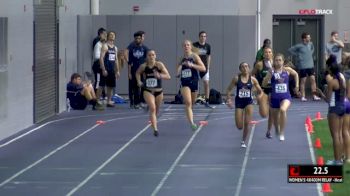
(293, 50)
(97, 51)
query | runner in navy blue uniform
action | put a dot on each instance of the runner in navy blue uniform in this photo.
(243, 100)
(280, 98)
(187, 70)
(154, 72)
(109, 66)
(335, 97)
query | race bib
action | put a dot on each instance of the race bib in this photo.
(281, 88)
(186, 73)
(151, 82)
(111, 57)
(244, 93)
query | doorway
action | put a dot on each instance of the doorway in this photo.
(287, 30)
(45, 60)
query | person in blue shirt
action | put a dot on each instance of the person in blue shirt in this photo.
(137, 53)
(80, 93)
(335, 46)
(305, 63)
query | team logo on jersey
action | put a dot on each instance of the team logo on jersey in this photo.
(138, 53)
(202, 51)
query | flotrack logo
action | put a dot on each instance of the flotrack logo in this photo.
(315, 12)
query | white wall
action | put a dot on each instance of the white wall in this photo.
(19, 92)
(68, 43)
(338, 21)
(169, 7)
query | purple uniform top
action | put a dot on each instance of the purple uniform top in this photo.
(280, 85)
(279, 88)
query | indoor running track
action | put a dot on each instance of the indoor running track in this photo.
(73, 155)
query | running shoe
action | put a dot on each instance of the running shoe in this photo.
(268, 135)
(282, 137)
(194, 126)
(303, 99)
(316, 98)
(206, 104)
(137, 107)
(110, 105)
(243, 145)
(155, 133)
(99, 106)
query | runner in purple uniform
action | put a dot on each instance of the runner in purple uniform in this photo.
(335, 97)
(280, 98)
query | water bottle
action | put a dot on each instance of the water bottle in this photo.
(68, 105)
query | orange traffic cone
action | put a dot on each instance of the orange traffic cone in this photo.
(320, 160)
(203, 122)
(318, 116)
(308, 120)
(253, 122)
(100, 122)
(318, 143)
(326, 188)
(310, 128)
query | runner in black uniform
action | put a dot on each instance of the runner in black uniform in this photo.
(154, 72)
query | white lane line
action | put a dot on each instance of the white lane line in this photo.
(245, 160)
(81, 184)
(244, 165)
(177, 160)
(53, 121)
(46, 156)
(167, 109)
(312, 153)
(56, 150)
(24, 134)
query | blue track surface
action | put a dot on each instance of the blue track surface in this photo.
(72, 155)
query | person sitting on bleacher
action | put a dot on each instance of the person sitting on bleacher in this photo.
(80, 93)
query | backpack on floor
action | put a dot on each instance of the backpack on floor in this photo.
(178, 98)
(215, 97)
